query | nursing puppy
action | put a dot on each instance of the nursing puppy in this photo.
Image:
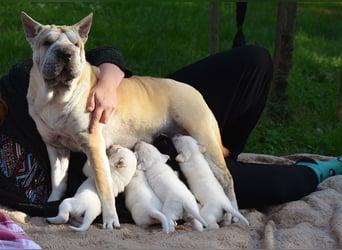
(60, 82)
(142, 202)
(85, 206)
(202, 182)
(176, 198)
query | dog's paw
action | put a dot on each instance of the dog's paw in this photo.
(110, 225)
(111, 222)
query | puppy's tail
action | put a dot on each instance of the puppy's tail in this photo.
(81, 228)
(230, 209)
(87, 220)
(162, 218)
(3, 110)
(196, 214)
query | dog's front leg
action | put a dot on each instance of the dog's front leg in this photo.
(59, 161)
(100, 163)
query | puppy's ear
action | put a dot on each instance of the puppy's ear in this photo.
(121, 163)
(141, 167)
(31, 27)
(84, 26)
(165, 157)
(180, 158)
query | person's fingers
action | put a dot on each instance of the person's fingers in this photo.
(91, 102)
(95, 119)
(106, 115)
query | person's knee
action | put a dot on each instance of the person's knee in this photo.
(261, 58)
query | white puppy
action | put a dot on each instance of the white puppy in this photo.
(85, 206)
(175, 196)
(202, 182)
(142, 202)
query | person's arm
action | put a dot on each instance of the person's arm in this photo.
(107, 54)
(102, 99)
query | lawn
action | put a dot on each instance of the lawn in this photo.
(158, 37)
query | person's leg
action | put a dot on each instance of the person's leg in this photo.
(235, 84)
(260, 185)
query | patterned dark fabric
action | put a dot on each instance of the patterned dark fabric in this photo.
(23, 169)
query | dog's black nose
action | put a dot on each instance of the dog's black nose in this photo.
(64, 55)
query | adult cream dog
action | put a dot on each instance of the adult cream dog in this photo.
(60, 82)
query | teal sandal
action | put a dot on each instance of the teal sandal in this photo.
(323, 169)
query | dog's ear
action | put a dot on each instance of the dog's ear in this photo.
(31, 27)
(121, 163)
(165, 157)
(84, 26)
(180, 158)
(141, 167)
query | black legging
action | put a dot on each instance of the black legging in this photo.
(235, 84)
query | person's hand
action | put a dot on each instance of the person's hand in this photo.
(102, 98)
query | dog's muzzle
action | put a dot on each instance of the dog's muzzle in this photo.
(60, 66)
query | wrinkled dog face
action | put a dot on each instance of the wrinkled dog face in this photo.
(58, 51)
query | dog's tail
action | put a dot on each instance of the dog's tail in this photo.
(87, 220)
(227, 206)
(3, 110)
(162, 218)
(196, 214)
(225, 151)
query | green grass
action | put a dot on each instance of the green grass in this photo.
(158, 37)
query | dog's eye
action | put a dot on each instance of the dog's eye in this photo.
(47, 43)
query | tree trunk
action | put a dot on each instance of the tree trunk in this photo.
(214, 26)
(286, 20)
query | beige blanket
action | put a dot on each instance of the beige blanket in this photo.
(314, 221)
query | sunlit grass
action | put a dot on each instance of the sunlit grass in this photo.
(158, 37)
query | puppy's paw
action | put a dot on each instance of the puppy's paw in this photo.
(213, 226)
(180, 158)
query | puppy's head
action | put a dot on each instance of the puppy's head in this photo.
(58, 51)
(148, 154)
(121, 157)
(122, 161)
(186, 146)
